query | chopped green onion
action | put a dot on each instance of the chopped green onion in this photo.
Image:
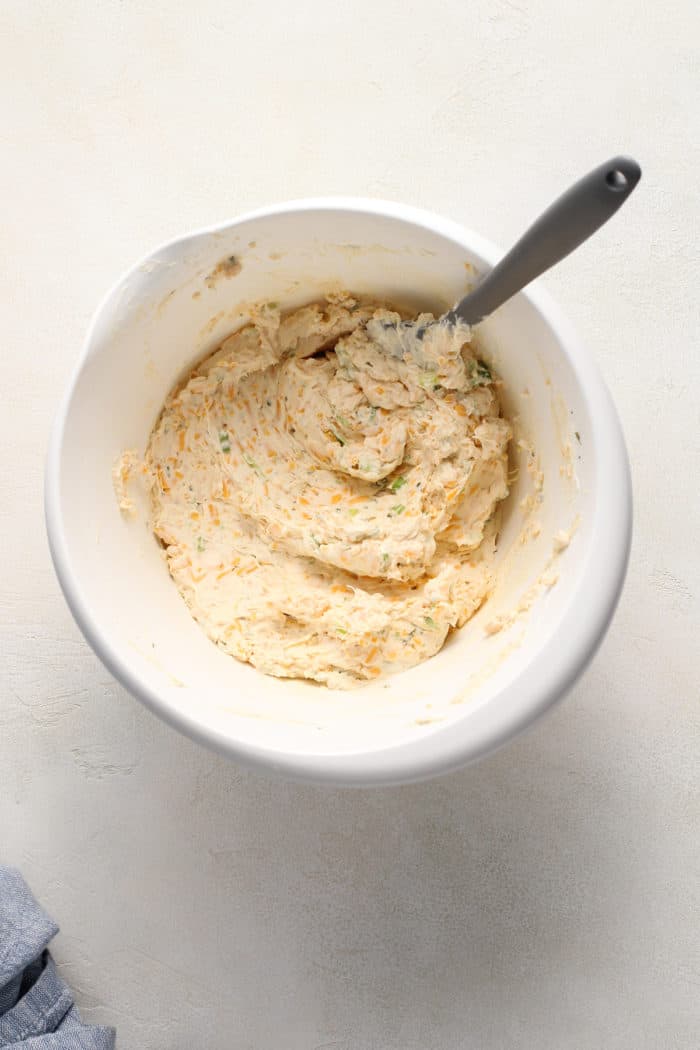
(397, 483)
(252, 464)
(398, 508)
(201, 544)
(225, 441)
(480, 373)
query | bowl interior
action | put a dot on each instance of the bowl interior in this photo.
(167, 313)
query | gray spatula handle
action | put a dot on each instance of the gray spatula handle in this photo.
(567, 223)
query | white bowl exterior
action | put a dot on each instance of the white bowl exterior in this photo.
(482, 688)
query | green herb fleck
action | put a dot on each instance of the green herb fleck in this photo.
(429, 380)
(398, 508)
(397, 483)
(353, 511)
(225, 441)
(367, 467)
(341, 630)
(252, 464)
(480, 373)
(430, 622)
(315, 540)
(201, 544)
(336, 435)
(386, 558)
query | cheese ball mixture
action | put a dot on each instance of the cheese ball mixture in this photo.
(325, 490)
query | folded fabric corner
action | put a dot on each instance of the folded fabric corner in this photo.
(37, 1010)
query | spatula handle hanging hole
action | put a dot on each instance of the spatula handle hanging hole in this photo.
(616, 179)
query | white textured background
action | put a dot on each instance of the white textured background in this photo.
(547, 898)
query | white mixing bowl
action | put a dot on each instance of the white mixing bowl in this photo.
(485, 686)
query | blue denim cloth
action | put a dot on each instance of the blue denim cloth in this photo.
(37, 1011)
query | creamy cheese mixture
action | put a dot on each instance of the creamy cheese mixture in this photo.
(326, 489)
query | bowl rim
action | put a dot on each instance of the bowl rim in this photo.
(555, 666)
